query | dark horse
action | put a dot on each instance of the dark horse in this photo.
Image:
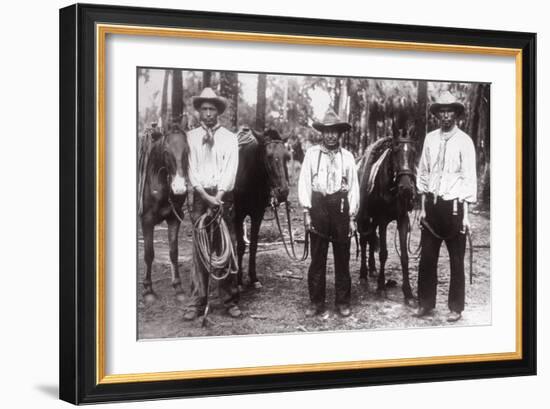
(386, 195)
(164, 193)
(261, 178)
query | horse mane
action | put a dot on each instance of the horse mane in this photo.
(371, 155)
(373, 152)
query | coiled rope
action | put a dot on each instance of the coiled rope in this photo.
(218, 260)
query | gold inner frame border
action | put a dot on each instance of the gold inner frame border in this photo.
(102, 30)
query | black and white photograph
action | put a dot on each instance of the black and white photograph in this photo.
(281, 203)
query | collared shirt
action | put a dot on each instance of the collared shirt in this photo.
(328, 174)
(213, 165)
(448, 166)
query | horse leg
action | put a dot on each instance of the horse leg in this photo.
(373, 246)
(383, 256)
(173, 230)
(255, 223)
(241, 247)
(147, 228)
(403, 228)
(363, 276)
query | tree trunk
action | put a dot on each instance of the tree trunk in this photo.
(355, 99)
(261, 102)
(478, 127)
(421, 113)
(336, 99)
(229, 89)
(206, 79)
(177, 96)
(164, 100)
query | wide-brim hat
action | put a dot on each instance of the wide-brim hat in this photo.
(446, 99)
(332, 121)
(208, 95)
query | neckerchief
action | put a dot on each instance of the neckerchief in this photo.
(208, 138)
(440, 161)
(331, 168)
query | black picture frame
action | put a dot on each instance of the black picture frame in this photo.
(78, 197)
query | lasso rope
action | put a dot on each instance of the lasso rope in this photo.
(214, 260)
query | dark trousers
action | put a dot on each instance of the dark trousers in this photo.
(330, 221)
(446, 227)
(200, 276)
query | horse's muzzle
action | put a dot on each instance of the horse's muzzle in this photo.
(178, 185)
(281, 194)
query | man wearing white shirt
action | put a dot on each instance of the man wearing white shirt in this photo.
(213, 162)
(447, 183)
(329, 193)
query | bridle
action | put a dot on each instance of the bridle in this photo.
(268, 168)
(403, 171)
(162, 143)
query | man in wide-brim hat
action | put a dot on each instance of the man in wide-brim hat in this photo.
(208, 95)
(329, 194)
(447, 184)
(213, 162)
(331, 121)
(448, 101)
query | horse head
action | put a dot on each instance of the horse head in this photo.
(276, 158)
(403, 164)
(175, 151)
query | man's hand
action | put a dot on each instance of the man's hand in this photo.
(465, 224)
(422, 215)
(352, 227)
(466, 227)
(307, 221)
(219, 196)
(213, 201)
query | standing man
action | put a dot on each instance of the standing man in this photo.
(447, 183)
(329, 193)
(213, 160)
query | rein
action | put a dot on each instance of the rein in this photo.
(290, 250)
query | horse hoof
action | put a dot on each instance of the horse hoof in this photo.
(150, 297)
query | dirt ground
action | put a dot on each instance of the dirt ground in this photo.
(279, 306)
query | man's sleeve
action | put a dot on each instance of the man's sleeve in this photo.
(353, 193)
(423, 177)
(469, 175)
(304, 182)
(227, 179)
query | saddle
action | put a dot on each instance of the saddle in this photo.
(145, 146)
(245, 136)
